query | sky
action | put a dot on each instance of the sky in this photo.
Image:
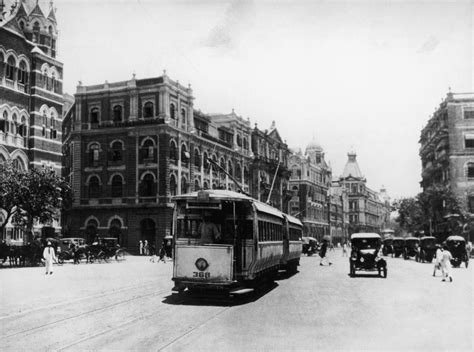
(351, 75)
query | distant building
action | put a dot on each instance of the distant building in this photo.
(31, 95)
(447, 151)
(368, 212)
(310, 201)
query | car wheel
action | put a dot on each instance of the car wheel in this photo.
(385, 272)
(352, 270)
(61, 260)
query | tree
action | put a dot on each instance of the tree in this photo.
(10, 178)
(410, 214)
(34, 195)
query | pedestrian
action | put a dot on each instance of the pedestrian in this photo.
(152, 253)
(438, 258)
(446, 264)
(162, 254)
(344, 249)
(140, 247)
(146, 248)
(49, 257)
(323, 253)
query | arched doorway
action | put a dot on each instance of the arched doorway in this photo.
(115, 230)
(148, 231)
(91, 230)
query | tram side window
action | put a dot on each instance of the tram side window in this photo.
(187, 228)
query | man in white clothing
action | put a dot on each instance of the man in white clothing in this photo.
(49, 256)
(438, 258)
(446, 264)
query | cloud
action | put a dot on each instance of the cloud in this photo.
(429, 45)
(238, 16)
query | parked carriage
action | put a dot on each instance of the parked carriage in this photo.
(387, 247)
(412, 248)
(427, 249)
(256, 241)
(457, 246)
(398, 245)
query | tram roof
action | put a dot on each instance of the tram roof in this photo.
(222, 194)
(365, 235)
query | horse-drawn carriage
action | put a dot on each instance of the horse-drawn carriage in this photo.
(106, 248)
(457, 246)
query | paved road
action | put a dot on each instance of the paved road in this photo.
(128, 306)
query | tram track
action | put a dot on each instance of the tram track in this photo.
(77, 300)
(88, 313)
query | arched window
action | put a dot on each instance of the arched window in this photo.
(4, 122)
(239, 140)
(19, 164)
(115, 228)
(117, 112)
(94, 115)
(94, 154)
(36, 32)
(148, 110)
(197, 158)
(45, 118)
(246, 174)
(117, 186)
(148, 183)
(22, 74)
(53, 122)
(470, 170)
(238, 172)
(205, 185)
(183, 116)
(184, 154)
(173, 151)
(50, 30)
(116, 152)
(10, 71)
(205, 161)
(53, 81)
(14, 124)
(184, 185)
(230, 168)
(2, 59)
(172, 111)
(148, 149)
(246, 144)
(23, 128)
(196, 185)
(173, 185)
(94, 187)
(222, 163)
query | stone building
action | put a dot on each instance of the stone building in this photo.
(31, 97)
(311, 200)
(367, 211)
(132, 145)
(447, 151)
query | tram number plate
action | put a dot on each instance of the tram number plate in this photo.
(202, 275)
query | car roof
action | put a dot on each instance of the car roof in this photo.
(365, 235)
(412, 238)
(455, 238)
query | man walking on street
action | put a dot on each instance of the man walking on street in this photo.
(446, 264)
(323, 253)
(49, 257)
(438, 258)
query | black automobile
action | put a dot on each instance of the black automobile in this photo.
(398, 246)
(387, 247)
(365, 254)
(412, 248)
(457, 246)
(310, 245)
(427, 249)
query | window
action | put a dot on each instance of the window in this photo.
(94, 115)
(239, 140)
(10, 71)
(116, 153)
(172, 111)
(469, 112)
(238, 172)
(2, 59)
(50, 30)
(94, 187)
(172, 185)
(22, 74)
(117, 186)
(184, 154)
(173, 151)
(53, 82)
(230, 168)
(148, 185)
(469, 141)
(184, 185)
(148, 110)
(94, 154)
(148, 149)
(471, 204)
(183, 116)
(206, 161)
(36, 32)
(197, 158)
(470, 170)
(117, 113)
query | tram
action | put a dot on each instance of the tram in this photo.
(255, 241)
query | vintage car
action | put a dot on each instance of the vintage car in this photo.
(365, 254)
(387, 247)
(398, 246)
(310, 245)
(427, 249)
(65, 243)
(457, 246)
(412, 247)
(106, 248)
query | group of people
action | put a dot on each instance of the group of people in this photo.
(147, 249)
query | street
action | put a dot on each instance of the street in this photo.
(129, 306)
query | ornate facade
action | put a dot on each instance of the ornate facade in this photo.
(134, 144)
(368, 211)
(31, 99)
(447, 151)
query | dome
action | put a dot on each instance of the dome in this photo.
(313, 146)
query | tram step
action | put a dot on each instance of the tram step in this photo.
(241, 291)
